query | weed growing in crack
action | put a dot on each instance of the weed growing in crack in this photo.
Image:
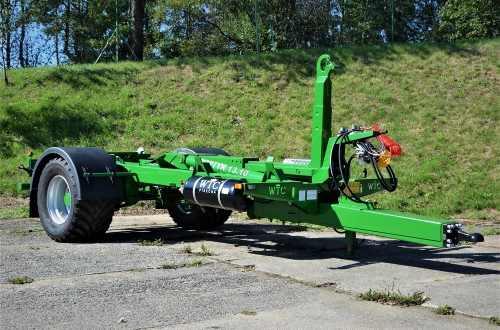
(395, 298)
(444, 310)
(21, 280)
(193, 263)
(148, 242)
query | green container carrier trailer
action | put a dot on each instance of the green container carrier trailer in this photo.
(75, 191)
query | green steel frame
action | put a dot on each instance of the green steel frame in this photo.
(300, 192)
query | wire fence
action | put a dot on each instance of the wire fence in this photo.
(33, 47)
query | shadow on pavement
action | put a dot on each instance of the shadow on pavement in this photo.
(275, 241)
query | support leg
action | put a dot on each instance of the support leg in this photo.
(350, 240)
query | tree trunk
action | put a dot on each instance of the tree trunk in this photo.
(137, 8)
(6, 35)
(66, 18)
(57, 48)
(22, 36)
(5, 79)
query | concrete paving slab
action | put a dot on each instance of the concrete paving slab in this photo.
(466, 278)
(288, 275)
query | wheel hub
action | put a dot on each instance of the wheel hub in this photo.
(58, 199)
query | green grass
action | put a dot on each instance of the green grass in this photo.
(151, 242)
(205, 251)
(395, 298)
(20, 212)
(491, 231)
(192, 263)
(495, 320)
(247, 313)
(444, 310)
(187, 249)
(21, 280)
(440, 102)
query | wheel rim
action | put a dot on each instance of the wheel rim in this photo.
(58, 199)
(186, 207)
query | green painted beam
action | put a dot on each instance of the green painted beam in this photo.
(322, 111)
(391, 224)
(360, 218)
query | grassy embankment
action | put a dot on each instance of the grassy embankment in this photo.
(441, 103)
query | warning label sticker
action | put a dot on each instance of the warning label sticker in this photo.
(312, 195)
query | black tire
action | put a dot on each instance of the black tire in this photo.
(64, 217)
(189, 216)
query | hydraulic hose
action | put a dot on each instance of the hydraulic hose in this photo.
(344, 169)
(380, 176)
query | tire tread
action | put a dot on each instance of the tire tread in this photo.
(88, 219)
(201, 217)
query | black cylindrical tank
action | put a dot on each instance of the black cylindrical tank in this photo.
(215, 192)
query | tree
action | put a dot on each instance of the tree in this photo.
(34, 32)
(470, 19)
(192, 28)
(80, 28)
(364, 21)
(427, 20)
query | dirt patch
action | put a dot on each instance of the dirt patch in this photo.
(492, 216)
(13, 203)
(141, 208)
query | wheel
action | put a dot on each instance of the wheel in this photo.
(190, 216)
(63, 216)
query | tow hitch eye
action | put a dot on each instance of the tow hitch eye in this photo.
(474, 237)
(453, 235)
